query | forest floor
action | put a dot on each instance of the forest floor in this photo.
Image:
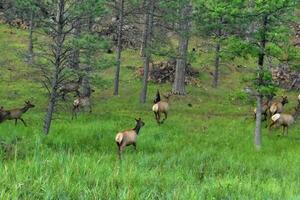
(201, 152)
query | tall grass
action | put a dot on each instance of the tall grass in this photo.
(201, 152)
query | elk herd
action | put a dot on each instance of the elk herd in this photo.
(271, 110)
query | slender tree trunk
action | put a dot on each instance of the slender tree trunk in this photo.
(51, 104)
(59, 40)
(217, 64)
(145, 30)
(119, 47)
(148, 28)
(257, 138)
(30, 43)
(86, 88)
(261, 57)
(184, 29)
(74, 62)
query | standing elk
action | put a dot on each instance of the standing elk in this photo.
(161, 107)
(81, 103)
(72, 86)
(16, 114)
(264, 109)
(157, 97)
(284, 120)
(3, 114)
(129, 137)
(277, 107)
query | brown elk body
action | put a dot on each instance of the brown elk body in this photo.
(16, 114)
(129, 137)
(277, 107)
(265, 109)
(81, 103)
(69, 87)
(3, 114)
(284, 120)
(161, 107)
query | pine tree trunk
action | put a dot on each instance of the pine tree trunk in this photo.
(145, 30)
(148, 28)
(30, 43)
(261, 57)
(86, 88)
(51, 104)
(119, 48)
(59, 40)
(74, 62)
(217, 64)
(258, 122)
(184, 29)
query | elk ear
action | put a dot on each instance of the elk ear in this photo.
(136, 119)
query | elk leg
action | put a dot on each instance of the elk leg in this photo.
(23, 121)
(263, 118)
(64, 96)
(77, 93)
(270, 126)
(16, 121)
(158, 117)
(155, 115)
(90, 107)
(166, 115)
(73, 113)
(119, 151)
(287, 130)
(121, 148)
(134, 145)
(76, 110)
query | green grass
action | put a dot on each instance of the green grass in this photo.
(201, 152)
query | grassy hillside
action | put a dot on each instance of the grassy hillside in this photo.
(201, 152)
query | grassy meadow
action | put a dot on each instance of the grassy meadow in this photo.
(202, 152)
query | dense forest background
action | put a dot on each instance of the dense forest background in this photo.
(216, 60)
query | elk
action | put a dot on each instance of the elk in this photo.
(128, 137)
(157, 97)
(81, 103)
(277, 107)
(284, 120)
(161, 107)
(16, 114)
(3, 114)
(265, 109)
(72, 86)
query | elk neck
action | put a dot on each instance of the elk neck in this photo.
(24, 109)
(137, 128)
